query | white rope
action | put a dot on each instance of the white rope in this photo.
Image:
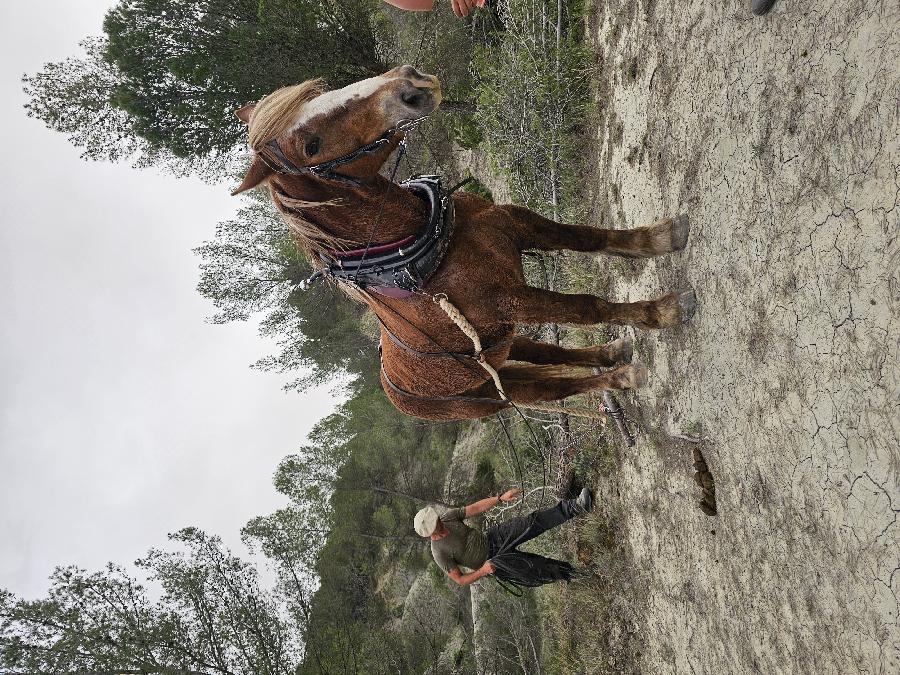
(469, 330)
(463, 323)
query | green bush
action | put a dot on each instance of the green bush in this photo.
(533, 95)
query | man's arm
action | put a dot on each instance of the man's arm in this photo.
(412, 5)
(460, 7)
(488, 503)
(471, 577)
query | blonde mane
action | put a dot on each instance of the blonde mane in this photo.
(273, 116)
(277, 112)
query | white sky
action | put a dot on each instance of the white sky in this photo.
(123, 415)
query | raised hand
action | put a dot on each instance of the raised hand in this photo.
(510, 495)
(464, 7)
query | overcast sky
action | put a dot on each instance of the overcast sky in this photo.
(123, 414)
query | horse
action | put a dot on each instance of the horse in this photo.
(321, 151)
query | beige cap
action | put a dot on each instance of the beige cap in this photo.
(425, 521)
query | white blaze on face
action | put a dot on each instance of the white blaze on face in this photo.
(327, 103)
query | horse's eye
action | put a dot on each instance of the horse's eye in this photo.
(313, 146)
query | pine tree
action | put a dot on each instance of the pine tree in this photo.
(212, 617)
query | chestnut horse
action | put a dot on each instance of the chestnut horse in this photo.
(428, 367)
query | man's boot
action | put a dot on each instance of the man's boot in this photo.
(760, 7)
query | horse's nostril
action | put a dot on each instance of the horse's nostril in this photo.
(412, 97)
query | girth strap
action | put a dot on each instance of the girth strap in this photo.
(439, 399)
(397, 340)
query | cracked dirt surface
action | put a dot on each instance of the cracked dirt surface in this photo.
(780, 136)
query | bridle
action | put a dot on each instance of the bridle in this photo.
(327, 169)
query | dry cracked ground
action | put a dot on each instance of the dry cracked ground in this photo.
(780, 136)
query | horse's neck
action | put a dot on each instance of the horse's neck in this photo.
(378, 212)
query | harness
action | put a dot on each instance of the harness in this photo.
(399, 269)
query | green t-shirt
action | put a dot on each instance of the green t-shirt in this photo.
(462, 545)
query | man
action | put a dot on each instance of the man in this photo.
(455, 545)
(460, 7)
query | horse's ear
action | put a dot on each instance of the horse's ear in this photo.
(256, 174)
(243, 113)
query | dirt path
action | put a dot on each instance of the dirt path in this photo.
(780, 137)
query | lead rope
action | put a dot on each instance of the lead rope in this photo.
(468, 329)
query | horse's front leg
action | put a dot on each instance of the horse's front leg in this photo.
(534, 305)
(536, 232)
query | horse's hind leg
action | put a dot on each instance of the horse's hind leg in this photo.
(530, 383)
(611, 354)
(535, 231)
(535, 305)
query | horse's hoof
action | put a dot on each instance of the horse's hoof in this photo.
(640, 376)
(681, 229)
(687, 304)
(622, 350)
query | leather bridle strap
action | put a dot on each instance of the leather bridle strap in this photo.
(327, 169)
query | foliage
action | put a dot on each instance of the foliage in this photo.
(212, 617)
(73, 97)
(161, 84)
(185, 65)
(254, 267)
(353, 490)
(533, 94)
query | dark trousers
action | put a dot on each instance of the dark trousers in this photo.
(520, 567)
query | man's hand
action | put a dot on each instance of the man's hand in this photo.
(510, 495)
(472, 577)
(464, 7)
(486, 504)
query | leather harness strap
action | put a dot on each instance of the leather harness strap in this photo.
(440, 399)
(397, 340)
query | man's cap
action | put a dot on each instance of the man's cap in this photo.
(425, 521)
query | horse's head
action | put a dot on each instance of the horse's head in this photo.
(311, 126)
